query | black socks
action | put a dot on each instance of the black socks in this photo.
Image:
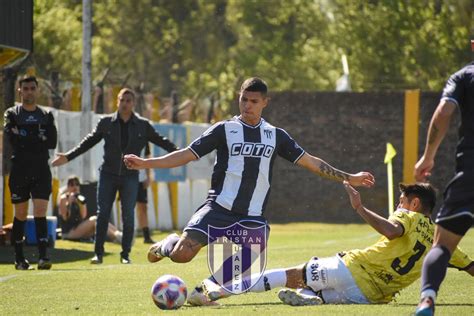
(18, 234)
(41, 235)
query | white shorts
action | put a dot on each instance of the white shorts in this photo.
(333, 280)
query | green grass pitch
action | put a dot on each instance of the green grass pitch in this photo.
(74, 287)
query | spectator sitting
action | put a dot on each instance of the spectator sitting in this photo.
(73, 213)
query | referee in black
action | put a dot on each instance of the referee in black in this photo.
(31, 132)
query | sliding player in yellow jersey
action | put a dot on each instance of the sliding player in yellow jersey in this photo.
(372, 275)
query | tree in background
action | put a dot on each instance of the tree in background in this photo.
(396, 44)
(206, 47)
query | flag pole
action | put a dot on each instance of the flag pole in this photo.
(390, 153)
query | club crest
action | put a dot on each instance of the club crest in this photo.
(235, 253)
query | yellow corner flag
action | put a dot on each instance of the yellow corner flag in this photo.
(390, 153)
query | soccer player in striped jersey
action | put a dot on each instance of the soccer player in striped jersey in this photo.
(368, 276)
(246, 146)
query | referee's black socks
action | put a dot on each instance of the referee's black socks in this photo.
(18, 233)
(41, 226)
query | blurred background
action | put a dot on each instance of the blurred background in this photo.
(342, 75)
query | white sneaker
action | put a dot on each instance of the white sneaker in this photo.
(154, 253)
(200, 299)
(213, 291)
(297, 298)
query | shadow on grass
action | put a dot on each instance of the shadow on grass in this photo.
(56, 255)
(224, 305)
(437, 304)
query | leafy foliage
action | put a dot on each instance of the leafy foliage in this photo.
(204, 47)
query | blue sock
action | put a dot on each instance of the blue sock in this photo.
(434, 271)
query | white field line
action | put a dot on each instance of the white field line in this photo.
(333, 241)
(8, 277)
(35, 273)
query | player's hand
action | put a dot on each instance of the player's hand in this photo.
(423, 169)
(354, 195)
(60, 160)
(146, 183)
(134, 162)
(362, 179)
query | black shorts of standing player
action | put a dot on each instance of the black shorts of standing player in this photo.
(212, 214)
(32, 181)
(457, 212)
(142, 196)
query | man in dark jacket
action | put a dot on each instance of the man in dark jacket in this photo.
(124, 132)
(31, 132)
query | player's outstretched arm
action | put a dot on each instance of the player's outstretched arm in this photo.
(439, 125)
(325, 170)
(59, 160)
(171, 160)
(385, 227)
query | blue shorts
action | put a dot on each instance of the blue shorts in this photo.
(213, 214)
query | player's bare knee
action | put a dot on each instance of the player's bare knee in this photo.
(22, 216)
(39, 213)
(185, 250)
(181, 255)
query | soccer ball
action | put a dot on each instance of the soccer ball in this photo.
(169, 292)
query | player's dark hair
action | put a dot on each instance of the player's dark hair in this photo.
(28, 79)
(254, 84)
(424, 191)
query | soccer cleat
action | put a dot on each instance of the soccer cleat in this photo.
(425, 308)
(198, 298)
(213, 291)
(97, 259)
(23, 265)
(125, 260)
(154, 253)
(44, 264)
(294, 298)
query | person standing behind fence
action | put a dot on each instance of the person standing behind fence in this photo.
(144, 177)
(31, 131)
(123, 132)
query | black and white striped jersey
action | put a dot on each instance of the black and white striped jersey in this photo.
(460, 89)
(243, 167)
